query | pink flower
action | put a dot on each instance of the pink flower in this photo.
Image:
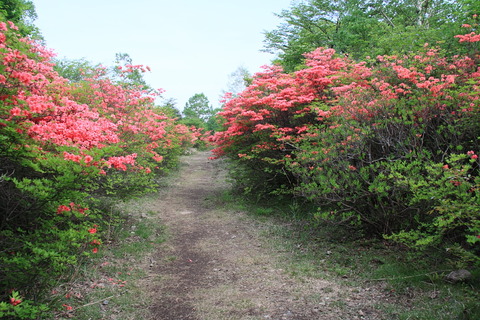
(14, 302)
(472, 154)
(15, 111)
(12, 25)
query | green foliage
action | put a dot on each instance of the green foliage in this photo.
(125, 185)
(214, 123)
(369, 144)
(170, 109)
(21, 309)
(194, 121)
(127, 73)
(200, 117)
(256, 178)
(451, 194)
(408, 171)
(53, 211)
(22, 13)
(360, 29)
(319, 248)
(75, 70)
(198, 107)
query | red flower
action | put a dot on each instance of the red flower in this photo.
(67, 307)
(456, 183)
(92, 230)
(95, 250)
(62, 208)
(14, 302)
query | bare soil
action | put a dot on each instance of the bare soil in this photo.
(217, 265)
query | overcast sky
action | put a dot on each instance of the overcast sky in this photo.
(191, 45)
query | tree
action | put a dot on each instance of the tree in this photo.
(22, 14)
(128, 73)
(169, 107)
(360, 29)
(199, 107)
(75, 70)
(238, 80)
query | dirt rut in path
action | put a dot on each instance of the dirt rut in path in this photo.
(216, 264)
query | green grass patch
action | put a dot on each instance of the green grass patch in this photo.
(109, 284)
(313, 248)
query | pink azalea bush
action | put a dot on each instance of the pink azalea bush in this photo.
(63, 145)
(368, 142)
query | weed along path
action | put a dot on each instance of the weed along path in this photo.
(219, 263)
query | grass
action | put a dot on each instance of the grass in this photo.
(109, 287)
(314, 250)
(321, 250)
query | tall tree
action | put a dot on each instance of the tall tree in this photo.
(361, 28)
(199, 107)
(169, 107)
(238, 80)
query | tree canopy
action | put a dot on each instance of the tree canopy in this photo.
(366, 28)
(198, 106)
(22, 14)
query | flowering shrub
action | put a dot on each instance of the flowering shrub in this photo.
(367, 142)
(18, 308)
(64, 144)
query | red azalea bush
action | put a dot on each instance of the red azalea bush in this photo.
(368, 142)
(63, 144)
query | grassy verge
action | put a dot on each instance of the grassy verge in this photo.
(108, 286)
(413, 286)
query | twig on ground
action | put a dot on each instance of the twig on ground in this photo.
(407, 277)
(95, 302)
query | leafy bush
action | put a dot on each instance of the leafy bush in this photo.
(368, 142)
(64, 145)
(18, 308)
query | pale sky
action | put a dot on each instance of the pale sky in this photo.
(191, 45)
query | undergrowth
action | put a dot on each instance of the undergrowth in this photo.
(413, 282)
(107, 285)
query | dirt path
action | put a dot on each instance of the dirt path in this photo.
(216, 264)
